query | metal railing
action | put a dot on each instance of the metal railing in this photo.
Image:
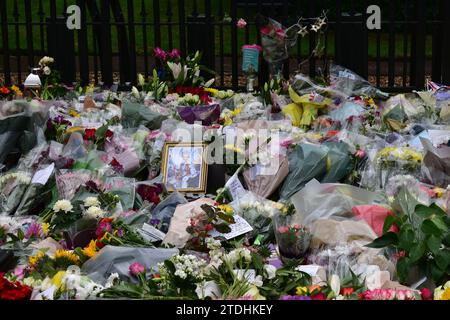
(117, 38)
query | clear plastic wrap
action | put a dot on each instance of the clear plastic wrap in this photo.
(118, 260)
(351, 84)
(165, 209)
(12, 188)
(323, 201)
(258, 212)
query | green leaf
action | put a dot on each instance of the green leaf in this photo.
(436, 273)
(429, 226)
(222, 228)
(100, 133)
(443, 259)
(403, 268)
(426, 212)
(388, 222)
(417, 252)
(406, 239)
(385, 240)
(225, 217)
(440, 223)
(434, 244)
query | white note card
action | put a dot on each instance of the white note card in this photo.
(235, 187)
(239, 228)
(151, 233)
(42, 176)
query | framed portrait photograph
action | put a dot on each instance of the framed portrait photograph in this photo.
(184, 167)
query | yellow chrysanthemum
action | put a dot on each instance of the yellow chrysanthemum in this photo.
(64, 254)
(34, 260)
(91, 250)
(301, 291)
(16, 89)
(57, 279)
(45, 228)
(439, 192)
(446, 294)
(74, 114)
(226, 208)
(211, 90)
(233, 148)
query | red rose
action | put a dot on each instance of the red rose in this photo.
(209, 227)
(426, 294)
(319, 296)
(109, 134)
(89, 134)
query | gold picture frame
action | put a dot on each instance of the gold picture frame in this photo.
(180, 168)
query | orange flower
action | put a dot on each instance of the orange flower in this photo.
(314, 288)
(347, 291)
(4, 90)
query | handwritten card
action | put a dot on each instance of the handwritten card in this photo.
(239, 228)
(235, 187)
(151, 234)
(42, 176)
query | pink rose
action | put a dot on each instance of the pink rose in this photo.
(241, 24)
(400, 295)
(136, 269)
(389, 294)
(360, 154)
(284, 229)
(286, 142)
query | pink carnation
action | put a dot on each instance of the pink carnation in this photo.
(136, 269)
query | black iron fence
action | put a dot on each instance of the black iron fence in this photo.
(117, 38)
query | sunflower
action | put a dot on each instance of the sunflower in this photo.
(33, 261)
(65, 255)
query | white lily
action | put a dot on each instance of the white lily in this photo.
(141, 80)
(135, 92)
(209, 83)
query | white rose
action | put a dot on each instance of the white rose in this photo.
(94, 212)
(62, 205)
(91, 202)
(270, 271)
(47, 71)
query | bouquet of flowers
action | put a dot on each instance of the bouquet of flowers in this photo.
(293, 239)
(13, 290)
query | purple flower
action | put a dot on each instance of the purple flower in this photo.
(136, 269)
(120, 233)
(34, 230)
(174, 54)
(155, 222)
(287, 297)
(160, 53)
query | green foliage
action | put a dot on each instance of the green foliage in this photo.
(422, 241)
